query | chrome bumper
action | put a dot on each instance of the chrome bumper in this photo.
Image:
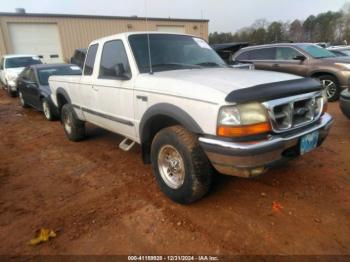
(251, 159)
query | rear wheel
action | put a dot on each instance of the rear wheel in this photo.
(181, 167)
(330, 83)
(73, 127)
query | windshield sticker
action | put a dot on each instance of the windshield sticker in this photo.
(201, 43)
(75, 67)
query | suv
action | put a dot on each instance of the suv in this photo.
(10, 68)
(302, 59)
(189, 111)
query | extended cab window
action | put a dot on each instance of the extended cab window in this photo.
(262, 54)
(90, 60)
(286, 53)
(114, 61)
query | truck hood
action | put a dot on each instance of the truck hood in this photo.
(209, 84)
(14, 71)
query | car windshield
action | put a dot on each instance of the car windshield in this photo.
(317, 51)
(173, 52)
(45, 73)
(21, 61)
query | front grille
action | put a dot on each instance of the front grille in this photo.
(293, 112)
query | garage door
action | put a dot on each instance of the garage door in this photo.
(37, 39)
(171, 29)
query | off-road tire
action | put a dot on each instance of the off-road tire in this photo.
(336, 95)
(76, 132)
(198, 170)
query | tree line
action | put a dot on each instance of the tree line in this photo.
(330, 27)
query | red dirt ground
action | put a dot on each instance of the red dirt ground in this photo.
(102, 200)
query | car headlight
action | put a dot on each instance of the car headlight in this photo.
(243, 120)
(343, 65)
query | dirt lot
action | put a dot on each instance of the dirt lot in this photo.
(102, 200)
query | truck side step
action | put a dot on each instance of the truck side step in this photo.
(126, 144)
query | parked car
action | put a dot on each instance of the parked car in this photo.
(344, 102)
(340, 50)
(307, 60)
(227, 50)
(34, 90)
(11, 66)
(189, 111)
(78, 57)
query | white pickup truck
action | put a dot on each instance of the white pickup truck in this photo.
(189, 111)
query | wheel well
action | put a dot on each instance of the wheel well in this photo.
(61, 101)
(151, 128)
(318, 74)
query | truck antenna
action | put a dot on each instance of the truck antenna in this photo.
(148, 41)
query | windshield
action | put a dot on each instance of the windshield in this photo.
(172, 52)
(21, 61)
(317, 51)
(45, 73)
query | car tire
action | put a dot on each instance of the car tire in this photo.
(182, 169)
(21, 100)
(332, 87)
(47, 110)
(73, 127)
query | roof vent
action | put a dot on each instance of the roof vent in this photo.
(20, 10)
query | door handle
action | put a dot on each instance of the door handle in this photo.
(95, 88)
(276, 65)
(142, 98)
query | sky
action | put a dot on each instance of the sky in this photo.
(224, 15)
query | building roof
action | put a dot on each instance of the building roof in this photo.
(102, 17)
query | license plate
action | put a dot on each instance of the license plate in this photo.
(308, 142)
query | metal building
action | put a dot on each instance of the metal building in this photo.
(54, 37)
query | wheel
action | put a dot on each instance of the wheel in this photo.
(73, 127)
(48, 113)
(182, 169)
(330, 83)
(21, 100)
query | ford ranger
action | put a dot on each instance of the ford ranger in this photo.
(190, 112)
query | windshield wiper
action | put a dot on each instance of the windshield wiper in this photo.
(176, 65)
(209, 64)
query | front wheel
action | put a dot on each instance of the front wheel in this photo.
(21, 100)
(330, 83)
(48, 113)
(73, 127)
(182, 169)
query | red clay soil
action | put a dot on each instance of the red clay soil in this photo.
(101, 200)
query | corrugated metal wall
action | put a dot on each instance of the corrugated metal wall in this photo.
(79, 32)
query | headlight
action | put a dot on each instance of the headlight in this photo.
(243, 120)
(344, 66)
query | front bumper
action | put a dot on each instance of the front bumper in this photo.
(344, 102)
(251, 159)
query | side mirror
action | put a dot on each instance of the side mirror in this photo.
(300, 58)
(121, 73)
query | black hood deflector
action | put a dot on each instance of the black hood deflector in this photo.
(270, 91)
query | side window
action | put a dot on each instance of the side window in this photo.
(263, 54)
(286, 53)
(114, 61)
(31, 75)
(243, 56)
(90, 60)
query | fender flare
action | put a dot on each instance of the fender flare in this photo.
(318, 71)
(167, 110)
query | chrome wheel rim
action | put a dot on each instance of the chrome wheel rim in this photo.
(171, 166)
(46, 110)
(330, 86)
(68, 124)
(21, 99)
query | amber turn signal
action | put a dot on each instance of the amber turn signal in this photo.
(246, 130)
